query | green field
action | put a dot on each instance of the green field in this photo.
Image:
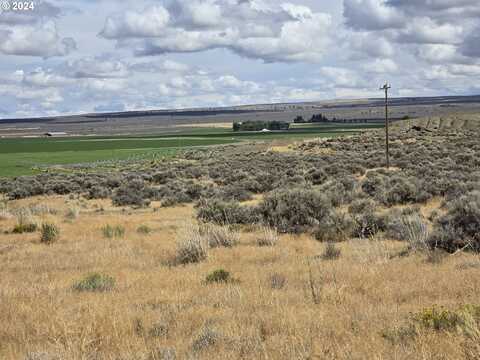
(27, 156)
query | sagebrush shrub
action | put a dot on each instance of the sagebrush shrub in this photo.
(460, 226)
(366, 221)
(335, 227)
(131, 193)
(222, 213)
(294, 210)
(410, 228)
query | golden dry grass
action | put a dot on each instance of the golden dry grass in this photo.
(335, 309)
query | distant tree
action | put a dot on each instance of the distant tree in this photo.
(318, 118)
(299, 120)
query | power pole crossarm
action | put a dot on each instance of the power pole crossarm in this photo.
(386, 87)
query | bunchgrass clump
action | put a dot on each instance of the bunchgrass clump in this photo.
(208, 337)
(192, 247)
(49, 233)
(144, 230)
(24, 228)
(218, 276)
(111, 232)
(72, 213)
(25, 222)
(95, 283)
(277, 281)
(267, 237)
(331, 252)
(220, 236)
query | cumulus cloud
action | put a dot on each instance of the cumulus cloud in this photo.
(372, 15)
(93, 68)
(34, 32)
(40, 40)
(254, 29)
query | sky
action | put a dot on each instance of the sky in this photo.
(81, 56)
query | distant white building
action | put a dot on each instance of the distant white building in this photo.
(56, 133)
(266, 130)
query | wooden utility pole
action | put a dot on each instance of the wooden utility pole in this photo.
(386, 87)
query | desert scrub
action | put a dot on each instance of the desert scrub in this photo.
(49, 233)
(95, 282)
(111, 232)
(222, 213)
(294, 210)
(131, 193)
(220, 236)
(335, 227)
(439, 318)
(459, 228)
(366, 221)
(267, 236)
(192, 247)
(410, 228)
(218, 276)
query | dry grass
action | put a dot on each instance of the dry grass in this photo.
(321, 310)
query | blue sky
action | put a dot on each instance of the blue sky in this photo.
(76, 56)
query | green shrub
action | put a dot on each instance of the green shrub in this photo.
(49, 233)
(218, 276)
(144, 230)
(96, 283)
(437, 318)
(111, 232)
(24, 228)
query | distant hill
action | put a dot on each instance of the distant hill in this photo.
(467, 121)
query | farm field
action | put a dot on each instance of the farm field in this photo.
(26, 156)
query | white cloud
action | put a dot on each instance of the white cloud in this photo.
(150, 22)
(38, 40)
(285, 32)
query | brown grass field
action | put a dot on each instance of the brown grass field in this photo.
(286, 302)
